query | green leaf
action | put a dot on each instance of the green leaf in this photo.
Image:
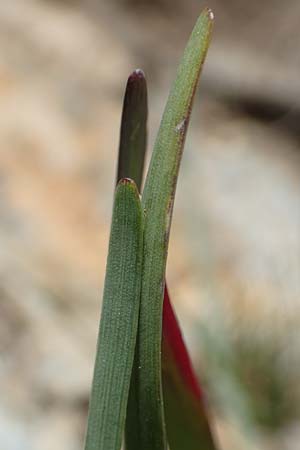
(132, 151)
(179, 379)
(133, 135)
(157, 202)
(119, 322)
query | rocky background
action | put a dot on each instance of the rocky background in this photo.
(234, 267)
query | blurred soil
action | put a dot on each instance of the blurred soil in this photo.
(234, 254)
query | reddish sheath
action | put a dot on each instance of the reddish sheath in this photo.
(175, 342)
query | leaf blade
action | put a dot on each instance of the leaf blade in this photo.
(118, 325)
(131, 157)
(133, 133)
(157, 203)
(177, 370)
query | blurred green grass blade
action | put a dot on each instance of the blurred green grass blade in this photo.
(186, 413)
(157, 203)
(133, 134)
(119, 322)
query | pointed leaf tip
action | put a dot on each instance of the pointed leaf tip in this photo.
(126, 181)
(128, 185)
(136, 75)
(210, 14)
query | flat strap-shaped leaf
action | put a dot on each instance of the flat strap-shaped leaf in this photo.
(157, 203)
(131, 158)
(119, 322)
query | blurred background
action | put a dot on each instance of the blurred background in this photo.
(234, 264)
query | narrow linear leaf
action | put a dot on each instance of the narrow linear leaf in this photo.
(186, 414)
(119, 322)
(177, 371)
(157, 202)
(133, 135)
(131, 158)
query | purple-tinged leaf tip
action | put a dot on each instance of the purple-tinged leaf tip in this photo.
(136, 75)
(133, 133)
